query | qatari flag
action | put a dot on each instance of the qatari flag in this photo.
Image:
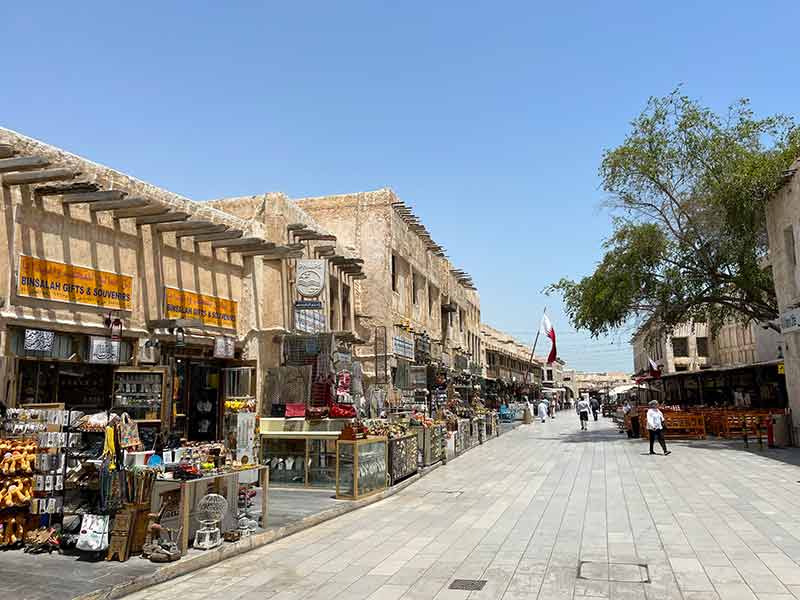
(547, 329)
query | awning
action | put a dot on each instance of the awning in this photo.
(727, 369)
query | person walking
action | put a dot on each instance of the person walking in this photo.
(595, 407)
(582, 409)
(542, 410)
(655, 427)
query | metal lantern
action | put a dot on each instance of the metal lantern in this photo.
(208, 536)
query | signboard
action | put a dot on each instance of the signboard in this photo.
(310, 277)
(403, 347)
(39, 340)
(223, 346)
(103, 350)
(308, 304)
(49, 280)
(212, 311)
(781, 368)
(790, 320)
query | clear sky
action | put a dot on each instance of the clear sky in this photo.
(489, 119)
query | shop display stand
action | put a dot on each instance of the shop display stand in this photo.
(361, 467)
(402, 457)
(69, 452)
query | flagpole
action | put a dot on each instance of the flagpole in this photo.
(533, 350)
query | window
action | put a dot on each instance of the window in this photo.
(702, 346)
(394, 273)
(460, 320)
(789, 243)
(549, 374)
(430, 300)
(681, 368)
(414, 288)
(680, 346)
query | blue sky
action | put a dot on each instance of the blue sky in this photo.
(489, 119)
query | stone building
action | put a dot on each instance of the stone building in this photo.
(783, 229)
(413, 298)
(284, 220)
(508, 359)
(103, 270)
(687, 348)
(601, 381)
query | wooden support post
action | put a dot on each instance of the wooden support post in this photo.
(30, 177)
(264, 482)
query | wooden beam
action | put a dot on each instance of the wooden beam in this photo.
(23, 163)
(73, 187)
(135, 202)
(128, 213)
(314, 235)
(204, 231)
(87, 197)
(324, 250)
(165, 218)
(223, 235)
(234, 243)
(251, 247)
(7, 151)
(184, 226)
(296, 227)
(39, 176)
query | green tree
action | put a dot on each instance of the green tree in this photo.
(687, 189)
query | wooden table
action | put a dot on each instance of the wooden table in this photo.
(225, 479)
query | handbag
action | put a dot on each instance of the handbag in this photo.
(128, 432)
(93, 536)
(295, 410)
(342, 411)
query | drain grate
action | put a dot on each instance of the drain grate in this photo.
(470, 585)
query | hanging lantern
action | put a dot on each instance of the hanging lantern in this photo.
(116, 329)
(180, 338)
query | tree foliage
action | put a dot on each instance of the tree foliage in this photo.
(688, 189)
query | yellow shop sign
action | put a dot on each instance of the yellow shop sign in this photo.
(212, 311)
(49, 280)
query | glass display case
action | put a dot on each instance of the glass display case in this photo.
(361, 467)
(402, 457)
(429, 444)
(321, 463)
(140, 392)
(463, 436)
(286, 459)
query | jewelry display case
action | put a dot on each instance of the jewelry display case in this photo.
(361, 467)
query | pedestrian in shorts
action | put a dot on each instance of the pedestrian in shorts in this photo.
(582, 409)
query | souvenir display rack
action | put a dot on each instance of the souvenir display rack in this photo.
(402, 457)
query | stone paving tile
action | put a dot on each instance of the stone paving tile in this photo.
(711, 522)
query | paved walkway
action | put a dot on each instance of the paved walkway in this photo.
(546, 512)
